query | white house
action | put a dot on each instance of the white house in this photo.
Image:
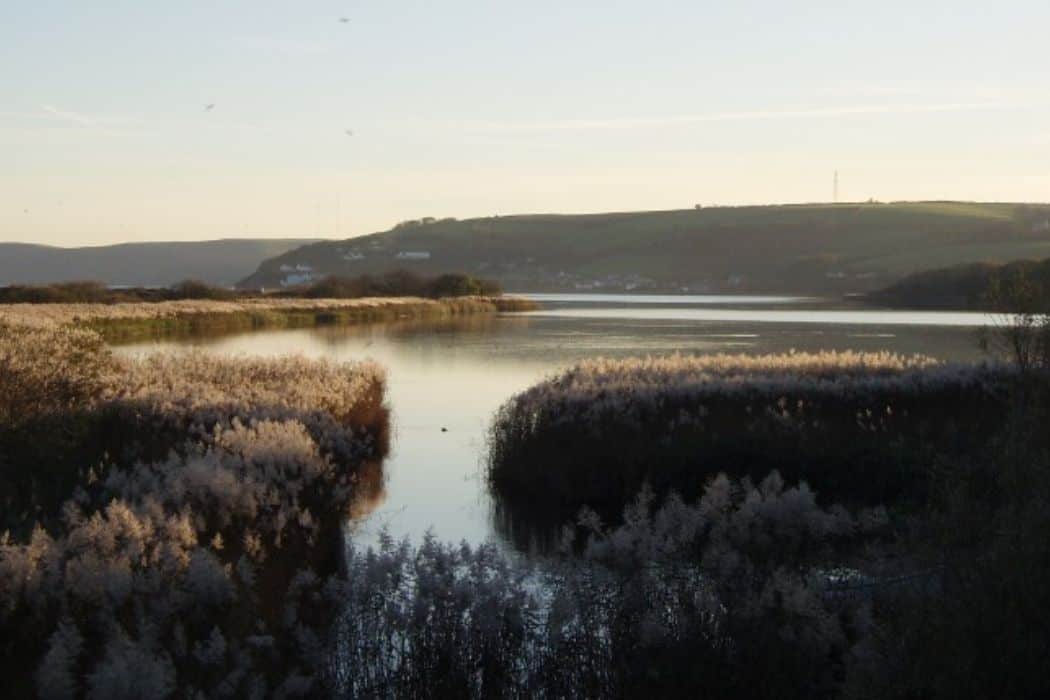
(413, 255)
(296, 279)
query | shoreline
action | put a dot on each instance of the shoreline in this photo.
(137, 320)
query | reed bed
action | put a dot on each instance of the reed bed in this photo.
(129, 320)
(180, 505)
(860, 427)
(730, 596)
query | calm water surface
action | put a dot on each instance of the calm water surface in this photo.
(454, 374)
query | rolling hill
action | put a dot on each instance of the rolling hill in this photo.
(812, 249)
(221, 262)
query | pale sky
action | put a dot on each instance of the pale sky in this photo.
(468, 108)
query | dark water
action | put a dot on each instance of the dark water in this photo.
(454, 374)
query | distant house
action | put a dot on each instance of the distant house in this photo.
(297, 268)
(297, 279)
(413, 255)
(354, 255)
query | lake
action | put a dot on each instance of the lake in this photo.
(447, 378)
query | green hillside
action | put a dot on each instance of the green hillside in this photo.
(819, 248)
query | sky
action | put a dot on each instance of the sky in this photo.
(472, 108)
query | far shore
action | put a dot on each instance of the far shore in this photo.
(129, 321)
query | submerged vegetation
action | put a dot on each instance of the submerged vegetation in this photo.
(861, 427)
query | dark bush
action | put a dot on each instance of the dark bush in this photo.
(99, 293)
(400, 283)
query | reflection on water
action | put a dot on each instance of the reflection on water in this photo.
(447, 378)
(667, 299)
(369, 491)
(970, 319)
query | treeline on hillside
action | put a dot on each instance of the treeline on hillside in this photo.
(400, 283)
(90, 292)
(977, 286)
(393, 284)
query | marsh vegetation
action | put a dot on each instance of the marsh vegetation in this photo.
(165, 515)
(174, 530)
(862, 426)
(136, 320)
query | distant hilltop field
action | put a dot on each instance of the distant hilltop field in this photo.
(800, 249)
(220, 262)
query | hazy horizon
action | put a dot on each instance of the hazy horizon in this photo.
(471, 110)
(215, 239)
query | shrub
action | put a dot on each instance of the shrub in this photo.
(398, 284)
(59, 293)
(99, 293)
(195, 289)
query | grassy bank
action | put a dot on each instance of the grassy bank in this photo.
(129, 321)
(859, 428)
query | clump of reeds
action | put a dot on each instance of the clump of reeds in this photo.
(200, 495)
(400, 283)
(134, 319)
(861, 427)
(731, 596)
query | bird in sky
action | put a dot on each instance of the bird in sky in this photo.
(349, 132)
(209, 107)
(344, 20)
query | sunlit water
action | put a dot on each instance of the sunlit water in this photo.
(447, 378)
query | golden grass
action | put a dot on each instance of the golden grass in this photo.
(128, 320)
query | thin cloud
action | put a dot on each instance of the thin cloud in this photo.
(69, 117)
(282, 46)
(714, 117)
(99, 124)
